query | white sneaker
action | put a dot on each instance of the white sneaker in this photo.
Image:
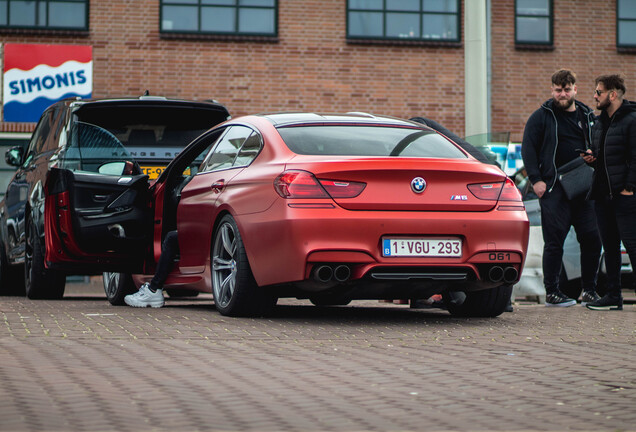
(144, 297)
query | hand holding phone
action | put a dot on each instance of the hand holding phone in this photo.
(584, 151)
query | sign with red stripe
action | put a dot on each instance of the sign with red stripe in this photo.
(38, 75)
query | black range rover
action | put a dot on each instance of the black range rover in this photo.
(144, 134)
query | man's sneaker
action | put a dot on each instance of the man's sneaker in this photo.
(144, 297)
(607, 302)
(558, 299)
(589, 297)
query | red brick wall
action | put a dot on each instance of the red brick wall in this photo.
(584, 41)
(311, 67)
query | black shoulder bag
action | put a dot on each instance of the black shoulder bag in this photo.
(576, 178)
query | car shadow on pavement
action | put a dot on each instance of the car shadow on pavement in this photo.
(366, 313)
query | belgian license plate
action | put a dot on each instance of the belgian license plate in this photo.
(422, 247)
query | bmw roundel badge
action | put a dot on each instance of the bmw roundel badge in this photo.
(418, 184)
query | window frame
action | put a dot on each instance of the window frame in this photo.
(237, 7)
(549, 16)
(421, 13)
(631, 47)
(204, 167)
(47, 27)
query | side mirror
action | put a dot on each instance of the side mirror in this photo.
(14, 156)
(116, 168)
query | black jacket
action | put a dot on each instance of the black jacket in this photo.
(619, 150)
(540, 141)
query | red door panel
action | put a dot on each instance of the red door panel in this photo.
(97, 222)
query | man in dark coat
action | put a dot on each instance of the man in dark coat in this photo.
(613, 156)
(552, 135)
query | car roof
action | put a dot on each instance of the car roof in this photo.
(282, 119)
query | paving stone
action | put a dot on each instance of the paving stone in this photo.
(80, 364)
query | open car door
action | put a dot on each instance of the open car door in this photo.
(98, 207)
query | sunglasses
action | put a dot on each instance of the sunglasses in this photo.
(600, 92)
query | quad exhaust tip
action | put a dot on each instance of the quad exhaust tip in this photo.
(323, 273)
(510, 274)
(498, 274)
(326, 273)
(342, 273)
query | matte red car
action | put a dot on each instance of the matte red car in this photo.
(331, 208)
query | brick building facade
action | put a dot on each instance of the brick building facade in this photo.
(584, 41)
(310, 64)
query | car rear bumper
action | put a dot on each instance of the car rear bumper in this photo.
(285, 244)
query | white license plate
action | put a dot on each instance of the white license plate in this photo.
(417, 247)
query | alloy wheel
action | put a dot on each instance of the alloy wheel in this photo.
(111, 282)
(224, 265)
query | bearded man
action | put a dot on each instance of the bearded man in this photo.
(554, 135)
(613, 155)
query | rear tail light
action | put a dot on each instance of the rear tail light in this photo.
(502, 191)
(510, 191)
(486, 191)
(299, 184)
(303, 184)
(343, 189)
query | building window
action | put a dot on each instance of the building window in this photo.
(233, 17)
(533, 22)
(44, 14)
(428, 20)
(626, 23)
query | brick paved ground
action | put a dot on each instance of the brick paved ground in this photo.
(80, 364)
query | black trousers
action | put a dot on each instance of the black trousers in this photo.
(557, 215)
(169, 251)
(617, 222)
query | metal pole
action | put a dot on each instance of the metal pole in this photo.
(476, 67)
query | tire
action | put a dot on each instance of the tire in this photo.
(117, 286)
(40, 282)
(486, 303)
(11, 277)
(179, 292)
(234, 288)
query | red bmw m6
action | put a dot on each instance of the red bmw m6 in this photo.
(326, 207)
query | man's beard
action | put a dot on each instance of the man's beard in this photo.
(563, 104)
(602, 106)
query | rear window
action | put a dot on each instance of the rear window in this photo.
(149, 134)
(152, 133)
(368, 141)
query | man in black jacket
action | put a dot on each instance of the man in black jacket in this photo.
(613, 155)
(551, 138)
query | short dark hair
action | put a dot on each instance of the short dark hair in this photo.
(563, 77)
(612, 82)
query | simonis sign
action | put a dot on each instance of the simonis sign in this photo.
(47, 82)
(36, 76)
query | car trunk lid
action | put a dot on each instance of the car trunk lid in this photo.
(389, 182)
